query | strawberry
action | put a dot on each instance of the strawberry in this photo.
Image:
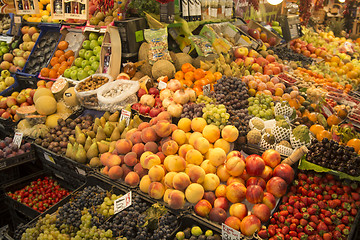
(346, 206)
(293, 234)
(284, 213)
(353, 211)
(346, 231)
(297, 205)
(303, 236)
(314, 219)
(309, 230)
(312, 211)
(303, 222)
(295, 221)
(285, 230)
(299, 229)
(263, 234)
(322, 205)
(337, 235)
(290, 209)
(337, 202)
(345, 220)
(317, 178)
(355, 196)
(322, 227)
(327, 221)
(292, 227)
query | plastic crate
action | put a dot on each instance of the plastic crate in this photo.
(76, 167)
(17, 160)
(9, 175)
(47, 156)
(10, 88)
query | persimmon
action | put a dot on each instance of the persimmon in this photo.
(45, 72)
(198, 90)
(316, 128)
(62, 69)
(199, 74)
(355, 143)
(179, 75)
(53, 73)
(54, 61)
(62, 58)
(59, 53)
(333, 120)
(187, 67)
(323, 134)
(56, 67)
(70, 60)
(63, 45)
(189, 76)
(69, 53)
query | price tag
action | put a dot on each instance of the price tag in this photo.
(102, 30)
(162, 85)
(17, 19)
(125, 114)
(122, 203)
(229, 233)
(49, 158)
(18, 139)
(206, 90)
(139, 36)
(80, 171)
(7, 39)
(90, 29)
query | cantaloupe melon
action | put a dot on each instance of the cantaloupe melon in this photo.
(52, 120)
(46, 105)
(59, 87)
(24, 111)
(23, 125)
(70, 97)
(42, 92)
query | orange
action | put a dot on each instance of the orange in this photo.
(54, 61)
(210, 77)
(316, 128)
(62, 58)
(63, 45)
(187, 67)
(56, 67)
(199, 74)
(189, 76)
(217, 75)
(70, 60)
(342, 113)
(69, 53)
(355, 143)
(65, 63)
(53, 73)
(59, 53)
(179, 75)
(333, 120)
(323, 134)
(45, 72)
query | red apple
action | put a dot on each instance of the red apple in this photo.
(276, 186)
(267, 173)
(254, 194)
(20, 99)
(262, 212)
(269, 200)
(11, 101)
(210, 197)
(29, 100)
(141, 92)
(263, 37)
(262, 61)
(24, 104)
(270, 58)
(13, 109)
(2, 111)
(203, 208)
(218, 215)
(31, 93)
(256, 181)
(239, 61)
(285, 171)
(233, 222)
(5, 115)
(154, 91)
(249, 225)
(271, 158)
(272, 41)
(238, 210)
(221, 202)
(254, 33)
(144, 110)
(255, 165)
(154, 112)
(249, 61)
(136, 106)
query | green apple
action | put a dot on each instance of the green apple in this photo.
(89, 54)
(92, 59)
(5, 73)
(67, 73)
(93, 36)
(3, 43)
(95, 65)
(100, 40)
(87, 68)
(81, 74)
(73, 68)
(93, 44)
(97, 50)
(4, 49)
(91, 72)
(98, 57)
(82, 52)
(86, 44)
(78, 61)
(73, 75)
(85, 63)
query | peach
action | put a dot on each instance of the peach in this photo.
(113, 160)
(168, 179)
(245, 176)
(276, 186)
(139, 149)
(211, 182)
(194, 193)
(202, 145)
(150, 160)
(256, 181)
(176, 164)
(193, 156)
(179, 137)
(193, 137)
(221, 143)
(196, 174)
(173, 127)
(170, 147)
(249, 225)
(220, 191)
(198, 124)
(203, 208)
(132, 178)
(148, 135)
(140, 170)
(238, 210)
(161, 156)
(236, 192)
(184, 124)
(156, 173)
(211, 133)
(123, 146)
(156, 190)
(217, 156)
(269, 200)
(115, 172)
(261, 211)
(151, 147)
(188, 134)
(145, 183)
(136, 137)
(125, 169)
(208, 167)
(181, 181)
(130, 159)
(218, 215)
(143, 125)
(163, 128)
(164, 116)
(255, 165)
(210, 197)
(235, 166)
(235, 179)
(129, 134)
(222, 173)
(105, 170)
(184, 149)
(230, 133)
(233, 222)
(221, 202)
(254, 194)
(271, 158)
(176, 199)
(166, 194)
(267, 173)
(235, 154)
(144, 155)
(104, 158)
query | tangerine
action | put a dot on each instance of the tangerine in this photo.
(59, 53)
(217, 75)
(53, 74)
(355, 143)
(189, 76)
(44, 72)
(199, 74)
(323, 134)
(333, 120)
(69, 53)
(179, 75)
(63, 45)
(54, 61)
(316, 128)
(187, 67)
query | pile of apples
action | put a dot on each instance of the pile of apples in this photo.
(6, 80)
(307, 49)
(260, 83)
(258, 35)
(250, 184)
(150, 103)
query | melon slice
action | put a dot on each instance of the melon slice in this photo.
(22, 112)
(59, 87)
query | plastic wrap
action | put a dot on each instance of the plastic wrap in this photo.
(281, 133)
(202, 45)
(157, 39)
(283, 110)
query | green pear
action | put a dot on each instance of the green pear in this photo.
(103, 147)
(106, 115)
(114, 117)
(69, 150)
(72, 140)
(88, 143)
(100, 135)
(123, 134)
(74, 150)
(77, 131)
(95, 162)
(122, 125)
(81, 138)
(137, 121)
(80, 154)
(115, 134)
(93, 151)
(108, 129)
(91, 134)
(102, 121)
(112, 146)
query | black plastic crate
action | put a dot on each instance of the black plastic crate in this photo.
(77, 168)
(9, 175)
(48, 157)
(17, 160)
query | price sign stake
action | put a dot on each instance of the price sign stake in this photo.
(125, 114)
(18, 139)
(122, 203)
(229, 233)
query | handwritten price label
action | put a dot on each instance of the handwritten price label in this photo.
(206, 90)
(18, 139)
(229, 233)
(125, 114)
(122, 203)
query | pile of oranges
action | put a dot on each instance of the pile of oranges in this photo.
(61, 61)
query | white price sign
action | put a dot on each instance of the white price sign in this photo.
(122, 202)
(206, 90)
(162, 85)
(18, 139)
(125, 114)
(49, 158)
(80, 171)
(229, 233)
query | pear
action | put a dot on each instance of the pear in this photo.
(74, 150)
(81, 138)
(88, 143)
(137, 121)
(114, 117)
(123, 134)
(93, 151)
(95, 162)
(103, 147)
(72, 140)
(115, 134)
(97, 123)
(100, 135)
(106, 115)
(112, 146)
(102, 121)
(131, 124)
(80, 154)
(69, 150)
(77, 131)
(91, 134)
(122, 125)
(108, 129)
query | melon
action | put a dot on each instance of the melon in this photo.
(59, 87)
(46, 105)
(70, 97)
(52, 120)
(42, 92)
(24, 111)
(63, 110)
(35, 119)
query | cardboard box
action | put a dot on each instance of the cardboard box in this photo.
(111, 41)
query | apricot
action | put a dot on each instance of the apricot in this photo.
(230, 133)
(176, 199)
(208, 167)
(194, 193)
(211, 133)
(104, 158)
(150, 160)
(221, 143)
(217, 156)
(181, 181)
(105, 170)
(164, 116)
(138, 148)
(211, 182)
(176, 164)
(196, 174)
(113, 160)
(193, 137)
(179, 137)
(193, 156)
(115, 172)
(170, 148)
(156, 190)
(148, 135)
(156, 173)
(184, 124)
(220, 191)
(184, 149)
(222, 173)
(234, 154)
(143, 125)
(198, 124)
(235, 166)
(136, 137)
(151, 147)
(166, 195)
(168, 179)
(161, 156)
(236, 192)
(145, 183)
(132, 178)
(140, 170)
(202, 145)
(123, 146)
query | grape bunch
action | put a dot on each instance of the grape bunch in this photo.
(261, 106)
(216, 114)
(166, 226)
(240, 119)
(107, 207)
(192, 110)
(205, 99)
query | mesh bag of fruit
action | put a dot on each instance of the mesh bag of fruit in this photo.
(267, 141)
(283, 150)
(281, 130)
(257, 123)
(296, 143)
(283, 109)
